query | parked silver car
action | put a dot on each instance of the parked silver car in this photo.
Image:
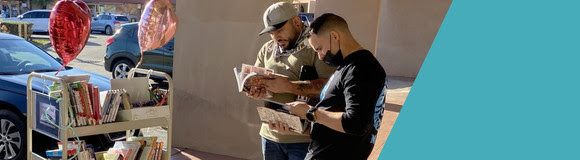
(108, 23)
(39, 19)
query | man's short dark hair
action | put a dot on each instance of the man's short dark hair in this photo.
(327, 22)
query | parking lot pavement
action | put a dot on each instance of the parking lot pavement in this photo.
(91, 57)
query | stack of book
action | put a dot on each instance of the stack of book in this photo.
(85, 151)
(135, 148)
(86, 108)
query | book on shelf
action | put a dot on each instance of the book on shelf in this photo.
(82, 98)
(125, 153)
(132, 146)
(112, 156)
(159, 151)
(149, 147)
(111, 105)
(89, 108)
(84, 151)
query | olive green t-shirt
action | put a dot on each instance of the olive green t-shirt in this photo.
(289, 66)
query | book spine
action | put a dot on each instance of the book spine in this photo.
(106, 106)
(89, 89)
(78, 104)
(96, 104)
(83, 104)
(118, 100)
(88, 102)
(71, 109)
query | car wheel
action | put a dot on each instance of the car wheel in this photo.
(121, 68)
(108, 30)
(13, 132)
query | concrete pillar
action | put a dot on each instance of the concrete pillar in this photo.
(406, 31)
(210, 114)
(213, 37)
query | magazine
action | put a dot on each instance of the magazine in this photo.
(269, 115)
(249, 76)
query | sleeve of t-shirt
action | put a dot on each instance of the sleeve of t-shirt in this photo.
(323, 69)
(362, 87)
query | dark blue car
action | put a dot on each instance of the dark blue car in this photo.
(18, 58)
(123, 53)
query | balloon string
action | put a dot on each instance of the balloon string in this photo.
(140, 59)
(59, 70)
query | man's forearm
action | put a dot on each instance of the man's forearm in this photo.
(308, 88)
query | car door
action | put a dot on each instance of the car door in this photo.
(98, 23)
(107, 20)
(153, 59)
(168, 57)
(32, 17)
(43, 21)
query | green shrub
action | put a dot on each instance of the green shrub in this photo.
(13, 28)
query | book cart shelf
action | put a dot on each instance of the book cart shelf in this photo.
(136, 118)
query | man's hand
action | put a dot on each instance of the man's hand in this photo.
(281, 128)
(299, 109)
(258, 93)
(278, 83)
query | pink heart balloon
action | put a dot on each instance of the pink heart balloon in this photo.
(157, 25)
(69, 28)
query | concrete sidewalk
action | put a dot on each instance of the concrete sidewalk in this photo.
(186, 154)
(399, 88)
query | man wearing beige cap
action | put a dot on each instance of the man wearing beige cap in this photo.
(285, 54)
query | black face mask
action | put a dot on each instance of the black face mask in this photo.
(333, 60)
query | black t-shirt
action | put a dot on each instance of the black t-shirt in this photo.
(356, 88)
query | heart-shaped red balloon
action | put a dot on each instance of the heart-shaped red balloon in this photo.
(157, 25)
(69, 28)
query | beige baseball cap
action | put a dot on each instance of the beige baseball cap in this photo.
(276, 16)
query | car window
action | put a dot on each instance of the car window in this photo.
(107, 18)
(29, 15)
(21, 57)
(121, 18)
(101, 17)
(37, 15)
(134, 33)
(45, 15)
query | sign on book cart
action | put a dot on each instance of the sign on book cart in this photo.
(41, 103)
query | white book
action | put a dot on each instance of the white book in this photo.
(133, 145)
(74, 113)
(118, 99)
(106, 104)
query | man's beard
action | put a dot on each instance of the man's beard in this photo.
(291, 45)
(292, 41)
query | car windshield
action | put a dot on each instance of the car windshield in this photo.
(22, 57)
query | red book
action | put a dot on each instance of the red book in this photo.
(89, 89)
(97, 104)
(86, 102)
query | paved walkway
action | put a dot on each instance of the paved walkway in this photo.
(399, 88)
